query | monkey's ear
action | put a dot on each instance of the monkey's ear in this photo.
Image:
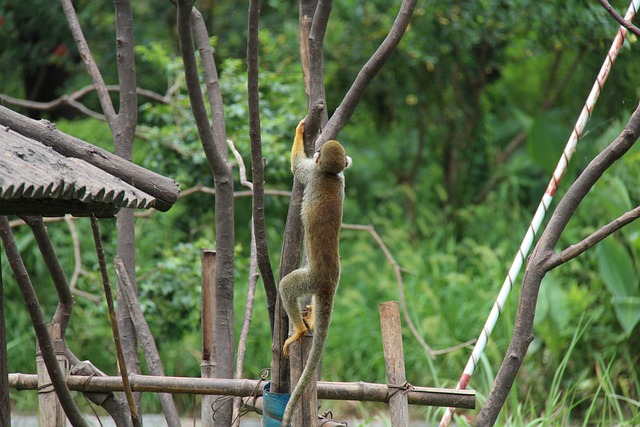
(348, 163)
(316, 157)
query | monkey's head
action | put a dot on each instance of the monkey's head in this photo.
(332, 158)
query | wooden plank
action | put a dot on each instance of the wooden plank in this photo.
(51, 412)
(394, 362)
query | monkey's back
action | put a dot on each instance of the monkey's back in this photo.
(322, 217)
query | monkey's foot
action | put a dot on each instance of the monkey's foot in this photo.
(297, 336)
(309, 319)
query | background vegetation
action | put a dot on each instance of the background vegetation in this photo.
(453, 148)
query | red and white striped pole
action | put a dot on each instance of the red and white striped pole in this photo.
(542, 208)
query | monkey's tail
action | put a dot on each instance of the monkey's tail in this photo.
(321, 331)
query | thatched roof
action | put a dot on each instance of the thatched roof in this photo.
(35, 179)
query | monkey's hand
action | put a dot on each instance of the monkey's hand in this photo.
(297, 336)
(297, 150)
(309, 319)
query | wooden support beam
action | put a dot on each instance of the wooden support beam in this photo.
(360, 391)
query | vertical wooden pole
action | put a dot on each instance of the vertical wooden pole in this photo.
(394, 362)
(307, 413)
(208, 364)
(5, 408)
(51, 412)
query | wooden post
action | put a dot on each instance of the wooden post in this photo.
(51, 412)
(208, 364)
(307, 413)
(394, 362)
(5, 407)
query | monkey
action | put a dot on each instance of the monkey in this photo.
(321, 212)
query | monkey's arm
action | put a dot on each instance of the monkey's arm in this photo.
(297, 150)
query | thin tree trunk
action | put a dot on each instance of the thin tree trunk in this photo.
(213, 138)
(5, 403)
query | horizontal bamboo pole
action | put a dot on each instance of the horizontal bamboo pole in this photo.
(361, 391)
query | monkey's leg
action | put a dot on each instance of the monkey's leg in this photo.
(292, 287)
(310, 318)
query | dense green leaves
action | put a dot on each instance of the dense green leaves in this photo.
(621, 278)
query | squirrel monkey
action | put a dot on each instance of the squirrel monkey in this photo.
(321, 217)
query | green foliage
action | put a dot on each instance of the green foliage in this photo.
(621, 278)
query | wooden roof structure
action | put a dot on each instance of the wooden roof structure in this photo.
(44, 171)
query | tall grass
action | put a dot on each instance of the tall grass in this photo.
(569, 402)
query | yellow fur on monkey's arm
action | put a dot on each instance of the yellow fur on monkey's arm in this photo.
(297, 150)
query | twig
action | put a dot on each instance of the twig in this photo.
(241, 167)
(625, 23)
(90, 63)
(39, 325)
(579, 248)
(72, 100)
(403, 302)
(135, 418)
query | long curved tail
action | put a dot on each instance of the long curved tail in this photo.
(321, 331)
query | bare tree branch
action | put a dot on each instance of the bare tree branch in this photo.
(72, 100)
(579, 248)
(257, 162)
(542, 260)
(214, 143)
(87, 57)
(39, 325)
(396, 269)
(626, 24)
(212, 83)
(403, 301)
(369, 70)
